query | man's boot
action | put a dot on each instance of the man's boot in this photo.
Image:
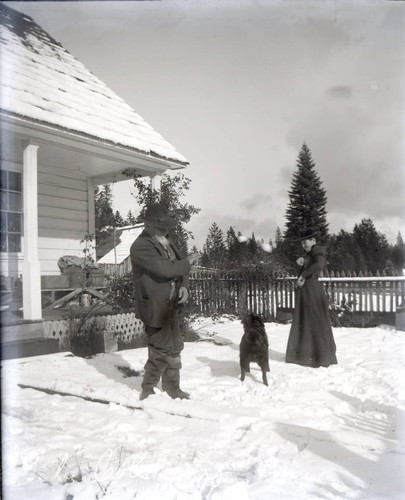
(154, 367)
(171, 379)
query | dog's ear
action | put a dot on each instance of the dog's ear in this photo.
(247, 318)
(257, 319)
(250, 318)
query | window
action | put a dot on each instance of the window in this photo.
(11, 211)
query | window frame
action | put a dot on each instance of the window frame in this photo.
(5, 190)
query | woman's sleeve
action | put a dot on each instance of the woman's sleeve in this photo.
(318, 264)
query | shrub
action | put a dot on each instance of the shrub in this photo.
(121, 293)
(83, 335)
(341, 312)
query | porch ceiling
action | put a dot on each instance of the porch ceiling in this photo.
(58, 148)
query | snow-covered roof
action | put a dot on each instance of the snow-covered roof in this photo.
(127, 237)
(43, 82)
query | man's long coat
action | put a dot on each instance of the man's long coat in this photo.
(157, 279)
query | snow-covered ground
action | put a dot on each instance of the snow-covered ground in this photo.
(328, 433)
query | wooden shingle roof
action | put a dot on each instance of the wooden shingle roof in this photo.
(42, 82)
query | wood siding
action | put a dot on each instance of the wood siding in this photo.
(62, 215)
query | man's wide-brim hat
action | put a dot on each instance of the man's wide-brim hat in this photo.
(308, 234)
(157, 215)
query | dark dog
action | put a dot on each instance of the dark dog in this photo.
(254, 346)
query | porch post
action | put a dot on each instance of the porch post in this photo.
(91, 213)
(155, 180)
(32, 306)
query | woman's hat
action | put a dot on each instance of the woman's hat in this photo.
(308, 234)
(156, 214)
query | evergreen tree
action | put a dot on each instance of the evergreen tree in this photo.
(242, 248)
(398, 254)
(373, 244)
(279, 246)
(236, 246)
(365, 249)
(131, 220)
(389, 269)
(344, 253)
(172, 189)
(253, 247)
(307, 206)
(232, 245)
(118, 220)
(105, 219)
(214, 252)
(278, 237)
(204, 260)
(271, 244)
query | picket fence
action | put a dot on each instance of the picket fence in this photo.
(233, 292)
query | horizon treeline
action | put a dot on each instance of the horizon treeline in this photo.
(363, 249)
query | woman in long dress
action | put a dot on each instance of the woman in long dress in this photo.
(311, 341)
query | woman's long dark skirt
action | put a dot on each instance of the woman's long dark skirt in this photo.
(311, 341)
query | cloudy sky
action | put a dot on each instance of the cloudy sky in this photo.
(237, 86)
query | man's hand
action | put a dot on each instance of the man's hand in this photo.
(300, 281)
(193, 257)
(300, 261)
(183, 295)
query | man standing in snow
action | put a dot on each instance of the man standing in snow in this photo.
(161, 285)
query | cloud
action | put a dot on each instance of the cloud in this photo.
(340, 91)
(255, 201)
(358, 158)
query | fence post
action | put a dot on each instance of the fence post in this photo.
(242, 297)
(273, 300)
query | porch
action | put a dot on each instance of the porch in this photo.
(21, 337)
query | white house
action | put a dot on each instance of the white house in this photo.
(62, 132)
